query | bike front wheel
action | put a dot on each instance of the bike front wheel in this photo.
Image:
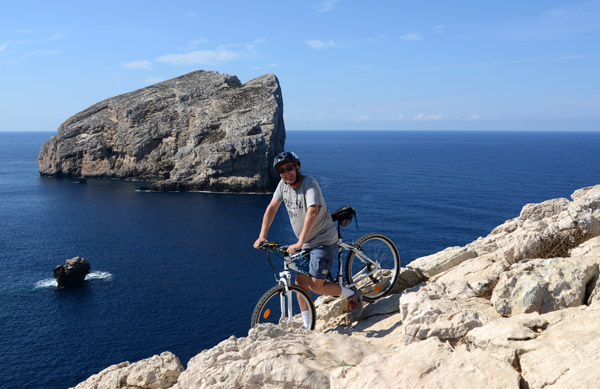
(283, 309)
(373, 266)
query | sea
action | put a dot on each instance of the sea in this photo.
(177, 271)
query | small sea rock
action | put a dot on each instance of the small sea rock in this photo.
(73, 272)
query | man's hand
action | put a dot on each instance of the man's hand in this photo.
(259, 241)
(293, 249)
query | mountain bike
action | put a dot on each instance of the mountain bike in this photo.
(372, 265)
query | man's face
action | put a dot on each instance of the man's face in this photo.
(288, 172)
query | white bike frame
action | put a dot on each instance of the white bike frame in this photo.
(285, 277)
(358, 253)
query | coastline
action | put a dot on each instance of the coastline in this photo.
(462, 312)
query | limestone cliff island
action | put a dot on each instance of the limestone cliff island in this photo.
(202, 131)
(519, 308)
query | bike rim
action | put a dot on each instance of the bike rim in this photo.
(374, 280)
(284, 310)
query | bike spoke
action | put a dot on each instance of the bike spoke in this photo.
(373, 266)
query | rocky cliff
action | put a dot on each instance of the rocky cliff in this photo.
(200, 131)
(518, 308)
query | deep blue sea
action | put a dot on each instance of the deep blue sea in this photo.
(177, 272)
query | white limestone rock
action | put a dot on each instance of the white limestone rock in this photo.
(565, 355)
(273, 358)
(481, 272)
(558, 222)
(447, 312)
(502, 337)
(157, 372)
(427, 364)
(543, 285)
(436, 263)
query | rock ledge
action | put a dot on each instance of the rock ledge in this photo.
(506, 311)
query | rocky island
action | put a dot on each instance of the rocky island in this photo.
(73, 272)
(202, 131)
(519, 308)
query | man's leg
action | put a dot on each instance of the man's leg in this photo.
(320, 286)
(303, 282)
(321, 261)
(315, 285)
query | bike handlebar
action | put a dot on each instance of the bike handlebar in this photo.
(272, 246)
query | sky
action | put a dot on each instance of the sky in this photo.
(342, 64)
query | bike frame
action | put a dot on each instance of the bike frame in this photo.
(375, 266)
(289, 263)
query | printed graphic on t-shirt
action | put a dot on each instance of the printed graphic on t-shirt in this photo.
(295, 207)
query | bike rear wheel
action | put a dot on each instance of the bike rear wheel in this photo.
(275, 307)
(376, 279)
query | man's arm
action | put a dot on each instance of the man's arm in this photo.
(268, 218)
(309, 222)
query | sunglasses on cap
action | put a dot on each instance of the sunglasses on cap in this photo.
(289, 168)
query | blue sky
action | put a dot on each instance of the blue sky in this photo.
(379, 65)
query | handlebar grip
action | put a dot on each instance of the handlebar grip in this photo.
(269, 245)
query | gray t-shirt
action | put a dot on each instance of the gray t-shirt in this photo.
(297, 203)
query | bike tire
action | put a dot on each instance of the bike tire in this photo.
(268, 308)
(381, 249)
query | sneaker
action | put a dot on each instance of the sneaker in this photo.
(355, 305)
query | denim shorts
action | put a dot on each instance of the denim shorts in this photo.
(319, 262)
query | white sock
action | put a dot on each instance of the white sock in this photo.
(306, 319)
(347, 292)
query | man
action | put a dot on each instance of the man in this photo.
(313, 226)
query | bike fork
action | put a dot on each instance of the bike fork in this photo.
(286, 299)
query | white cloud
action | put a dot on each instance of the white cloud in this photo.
(474, 117)
(137, 65)
(411, 37)
(250, 47)
(54, 37)
(439, 28)
(362, 119)
(422, 117)
(398, 118)
(200, 57)
(38, 53)
(578, 19)
(2, 47)
(318, 44)
(271, 65)
(378, 38)
(193, 45)
(326, 5)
